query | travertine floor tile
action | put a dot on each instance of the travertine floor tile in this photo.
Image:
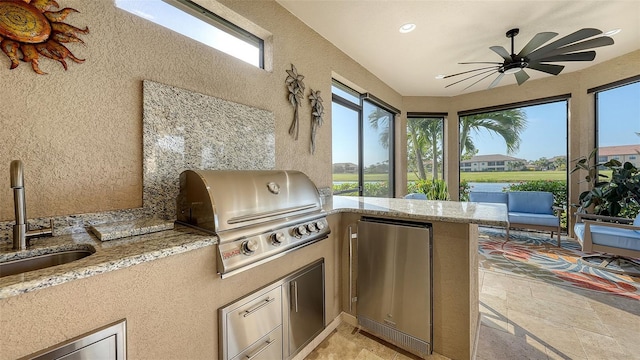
(559, 294)
(598, 346)
(556, 336)
(498, 345)
(556, 312)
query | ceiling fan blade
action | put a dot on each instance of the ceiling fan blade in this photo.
(472, 76)
(480, 62)
(547, 68)
(469, 71)
(502, 52)
(521, 77)
(581, 56)
(584, 45)
(571, 38)
(496, 81)
(536, 41)
(484, 77)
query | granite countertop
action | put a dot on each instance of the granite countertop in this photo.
(109, 256)
(139, 241)
(429, 210)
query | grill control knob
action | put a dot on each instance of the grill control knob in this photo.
(300, 231)
(312, 227)
(249, 247)
(277, 238)
(320, 225)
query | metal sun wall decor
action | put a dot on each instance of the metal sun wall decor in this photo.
(31, 27)
(296, 91)
(317, 110)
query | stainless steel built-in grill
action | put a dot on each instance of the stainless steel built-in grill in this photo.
(257, 215)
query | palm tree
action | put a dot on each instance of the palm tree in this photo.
(509, 124)
(425, 139)
(380, 118)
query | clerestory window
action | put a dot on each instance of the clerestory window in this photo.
(200, 24)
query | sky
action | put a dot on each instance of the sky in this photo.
(545, 135)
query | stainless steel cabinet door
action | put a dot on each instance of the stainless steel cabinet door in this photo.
(306, 307)
(394, 276)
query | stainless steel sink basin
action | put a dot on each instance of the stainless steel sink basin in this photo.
(41, 261)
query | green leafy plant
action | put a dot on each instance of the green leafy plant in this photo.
(619, 196)
(434, 189)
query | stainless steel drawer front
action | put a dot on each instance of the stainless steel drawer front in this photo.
(267, 348)
(250, 320)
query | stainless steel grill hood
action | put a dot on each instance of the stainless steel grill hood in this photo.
(256, 214)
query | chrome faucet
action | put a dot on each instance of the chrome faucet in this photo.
(21, 231)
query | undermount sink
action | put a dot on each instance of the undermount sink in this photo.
(38, 262)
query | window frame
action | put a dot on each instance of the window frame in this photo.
(359, 108)
(216, 21)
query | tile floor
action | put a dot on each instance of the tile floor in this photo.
(523, 319)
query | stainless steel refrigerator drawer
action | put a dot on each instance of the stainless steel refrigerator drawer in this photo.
(252, 318)
(267, 348)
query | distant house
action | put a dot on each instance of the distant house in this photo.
(495, 162)
(345, 168)
(622, 153)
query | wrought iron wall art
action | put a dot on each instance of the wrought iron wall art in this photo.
(296, 92)
(317, 110)
(31, 28)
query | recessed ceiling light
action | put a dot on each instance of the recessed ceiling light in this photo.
(408, 27)
(612, 32)
(440, 76)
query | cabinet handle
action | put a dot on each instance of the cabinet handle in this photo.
(264, 303)
(294, 285)
(351, 237)
(263, 348)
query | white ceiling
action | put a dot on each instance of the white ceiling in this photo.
(453, 31)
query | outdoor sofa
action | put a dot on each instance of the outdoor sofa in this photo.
(526, 209)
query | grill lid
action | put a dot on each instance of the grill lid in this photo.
(224, 200)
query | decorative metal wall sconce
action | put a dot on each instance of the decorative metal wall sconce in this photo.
(296, 91)
(317, 110)
(32, 28)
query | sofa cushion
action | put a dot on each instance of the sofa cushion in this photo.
(533, 219)
(488, 197)
(534, 202)
(578, 229)
(419, 196)
(615, 237)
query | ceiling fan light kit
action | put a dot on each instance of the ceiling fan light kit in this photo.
(535, 56)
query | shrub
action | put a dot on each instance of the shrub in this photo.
(557, 187)
(464, 190)
(434, 189)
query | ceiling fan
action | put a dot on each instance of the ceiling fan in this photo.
(537, 57)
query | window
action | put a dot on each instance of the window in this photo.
(362, 141)
(618, 121)
(515, 144)
(200, 24)
(425, 156)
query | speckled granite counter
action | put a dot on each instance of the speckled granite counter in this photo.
(108, 256)
(446, 211)
(132, 250)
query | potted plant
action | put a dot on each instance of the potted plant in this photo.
(617, 195)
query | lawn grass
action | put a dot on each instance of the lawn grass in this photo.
(493, 177)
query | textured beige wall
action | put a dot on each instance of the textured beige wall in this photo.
(79, 132)
(170, 304)
(581, 118)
